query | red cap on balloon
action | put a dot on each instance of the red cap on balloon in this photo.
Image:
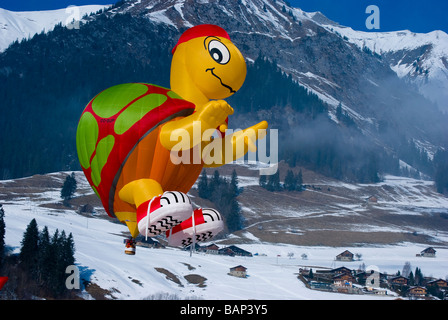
(202, 30)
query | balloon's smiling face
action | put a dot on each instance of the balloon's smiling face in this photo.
(215, 65)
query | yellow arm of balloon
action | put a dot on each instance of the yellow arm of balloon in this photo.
(232, 147)
(190, 129)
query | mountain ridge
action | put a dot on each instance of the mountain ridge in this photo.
(18, 25)
(384, 109)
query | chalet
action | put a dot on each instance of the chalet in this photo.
(344, 280)
(328, 275)
(417, 292)
(211, 249)
(428, 252)
(345, 256)
(341, 270)
(226, 251)
(238, 271)
(399, 281)
(440, 283)
(234, 251)
(372, 199)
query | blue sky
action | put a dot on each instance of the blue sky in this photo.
(414, 15)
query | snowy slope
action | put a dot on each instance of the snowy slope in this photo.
(271, 274)
(24, 24)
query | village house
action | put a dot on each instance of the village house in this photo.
(226, 251)
(210, 249)
(238, 271)
(328, 275)
(345, 256)
(428, 252)
(417, 292)
(399, 281)
(440, 283)
(234, 251)
(344, 280)
(341, 270)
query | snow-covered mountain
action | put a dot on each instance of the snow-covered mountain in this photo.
(17, 25)
(384, 111)
(420, 58)
(328, 59)
(423, 58)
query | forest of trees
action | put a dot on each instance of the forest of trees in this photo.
(266, 86)
(48, 79)
(441, 171)
(292, 182)
(40, 267)
(223, 193)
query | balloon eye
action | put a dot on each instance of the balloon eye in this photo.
(219, 52)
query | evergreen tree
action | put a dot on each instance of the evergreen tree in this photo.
(290, 181)
(69, 187)
(299, 181)
(214, 183)
(262, 181)
(57, 253)
(29, 250)
(418, 277)
(69, 251)
(411, 281)
(274, 182)
(234, 218)
(2, 234)
(223, 194)
(47, 256)
(56, 283)
(234, 184)
(203, 188)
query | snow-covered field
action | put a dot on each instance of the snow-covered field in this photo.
(272, 274)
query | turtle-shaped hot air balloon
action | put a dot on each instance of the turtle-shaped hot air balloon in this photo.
(128, 136)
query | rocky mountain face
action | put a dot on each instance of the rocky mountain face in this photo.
(323, 57)
(367, 106)
(420, 59)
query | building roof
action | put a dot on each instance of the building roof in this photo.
(239, 267)
(429, 250)
(341, 269)
(345, 253)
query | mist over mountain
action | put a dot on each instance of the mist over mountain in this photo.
(339, 106)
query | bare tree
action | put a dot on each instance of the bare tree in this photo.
(406, 269)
